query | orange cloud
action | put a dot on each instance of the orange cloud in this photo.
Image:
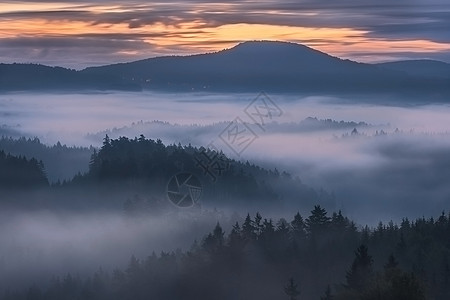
(195, 35)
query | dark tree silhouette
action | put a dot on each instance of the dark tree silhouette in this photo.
(142, 161)
(361, 270)
(291, 289)
(248, 229)
(328, 295)
(318, 221)
(19, 172)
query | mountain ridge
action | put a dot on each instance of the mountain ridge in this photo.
(247, 67)
(420, 67)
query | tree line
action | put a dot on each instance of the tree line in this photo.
(322, 256)
(140, 166)
(61, 161)
(150, 162)
(20, 172)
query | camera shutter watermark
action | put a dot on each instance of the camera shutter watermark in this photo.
(184, 190)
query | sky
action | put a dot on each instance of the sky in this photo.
(78, 34)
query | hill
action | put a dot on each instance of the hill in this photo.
(148, 165)
(423, 68)
(248, 67)
(34, 77)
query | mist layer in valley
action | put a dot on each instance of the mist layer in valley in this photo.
(388, 159)
(373, 161)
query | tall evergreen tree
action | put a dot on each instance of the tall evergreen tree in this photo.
(328, 295)
(291, 289)
(361, 271)
(318, 221)
(248, 229)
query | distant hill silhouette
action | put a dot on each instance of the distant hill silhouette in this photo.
(423, 68)
(34, 77)
(247, 67)
(196, 134)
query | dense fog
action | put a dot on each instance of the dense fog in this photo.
(374, 162)
(394, 164)
(38, 245)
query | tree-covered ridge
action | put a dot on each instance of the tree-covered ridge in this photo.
(61, 161)
(143, 167)
(313, 123)
(153, 163)
(194, 132)
(19, 172)
(318, 257)
(140, 157)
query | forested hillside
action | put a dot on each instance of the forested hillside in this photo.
(225, 181)
(20, 172)
(61, 161)
(136, 172)
(319, 257)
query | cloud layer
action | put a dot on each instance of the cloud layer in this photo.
(79, 34)
(373, 175)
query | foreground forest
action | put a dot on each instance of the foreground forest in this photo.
(318, 257)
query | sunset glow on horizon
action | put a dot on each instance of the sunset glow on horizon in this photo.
(77, 35)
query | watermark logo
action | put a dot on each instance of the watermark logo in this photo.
(212, 162)
(184, 190)
(262, 109)
(238, 136)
